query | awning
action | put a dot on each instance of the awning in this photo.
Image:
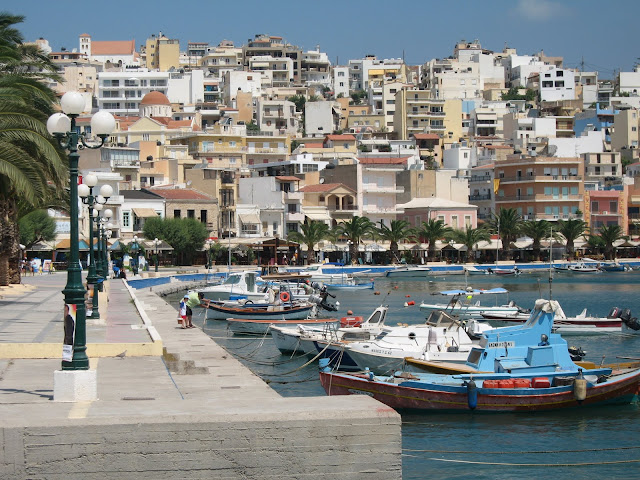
(322, 217)
(144, 212)
(249, 218)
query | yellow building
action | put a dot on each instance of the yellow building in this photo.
(417, 112)
(162, 53)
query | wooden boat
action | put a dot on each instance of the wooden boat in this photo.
(504, 271)
(614, 267)
(409, 271)
(472, 270)
(487, 392)
(519, 368)
(350, 286)
(243, 326)
(264, 311)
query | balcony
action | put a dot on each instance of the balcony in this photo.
(294, 196)
(541, 178)
(382, 210)
(540, 198)
(295, 217)
(480, 197)
(346, 209)
(376, 189)
(125, 163)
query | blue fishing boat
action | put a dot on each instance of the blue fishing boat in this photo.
(521, 368)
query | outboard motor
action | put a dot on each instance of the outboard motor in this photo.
(321, 300)
(576, 353)
(625, 315)
(628, 320)
(615, 311)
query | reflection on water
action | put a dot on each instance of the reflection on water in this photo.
(599, 435)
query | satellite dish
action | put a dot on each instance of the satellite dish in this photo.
(189, 183)
(322, 180)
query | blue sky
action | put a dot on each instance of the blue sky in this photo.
(604, 34)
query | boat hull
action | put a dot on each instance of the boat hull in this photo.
(215, 312)
(240, 326)
(419, 396)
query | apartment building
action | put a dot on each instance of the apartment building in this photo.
(222, 146)
(416, 111)
(540, 187)
(481, 190)
(120, 53)
(277, 116)
(557, 84)
(274, 46)
(278, 69)
(625, 137)
(601, 167)
(331, 203)
(606, 208)
(162, 53)
(341, 81)
(316, 68)
(189, 203)
(359, 70)
(221, 59)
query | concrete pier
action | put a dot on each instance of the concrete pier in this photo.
(171, 402)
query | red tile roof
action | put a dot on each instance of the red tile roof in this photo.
(494, 147)
(383, 161)
(340, 137)
(119, 47)
(313, 145)
(426, 136)
(287, 178)
(171, 193)
(322, 187)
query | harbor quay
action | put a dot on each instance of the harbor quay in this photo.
(171, 403)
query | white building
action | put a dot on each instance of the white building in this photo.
(320, 118)
(316, 68)
(377, 189)
(243, 81)
(341, 81)
(276, 116)
(588, 142)
(280, 69)
(221, 59)
(557, 84)
(630, 81)
(459, 157)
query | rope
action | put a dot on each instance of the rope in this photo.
(302, 366)
(583, 464)
(635, 447)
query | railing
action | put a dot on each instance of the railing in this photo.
(347, 208)
(543, 177)
(480, 197)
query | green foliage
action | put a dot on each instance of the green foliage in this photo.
(340, 95)
(571, 230)
(536, 230)
(514, 94)
(185, 235)
(398, 231)
(431, 231)
(314, 98)
(469, 238)
(310, 234)
(299, 100)
(35, 227)
(610, 234)
(355, 230)
(357, 97)
(252, 127)
(507, 224)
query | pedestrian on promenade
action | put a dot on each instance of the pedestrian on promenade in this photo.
(195, 300)
(183, 311)
(69, 326)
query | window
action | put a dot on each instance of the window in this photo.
(191, 214)
(126, 219)
(203, 216)
(176, 214)
(559, 73)
(560, 84)
(613, 206)
(595, 207)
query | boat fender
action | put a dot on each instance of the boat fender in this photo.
(349, 312)
(285, 297)
(407, 296)
(406, 304)
(472, 394)
(368, 373)
(376, 293)
(580, 387)
(323, 364)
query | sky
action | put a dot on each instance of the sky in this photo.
(589, 34)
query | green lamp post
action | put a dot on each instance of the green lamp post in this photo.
(156, 242)
(63, 127)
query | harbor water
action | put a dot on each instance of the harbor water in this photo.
(591, 442)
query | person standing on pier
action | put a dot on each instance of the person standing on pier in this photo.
(195, 300)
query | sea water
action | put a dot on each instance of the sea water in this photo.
(592, 442)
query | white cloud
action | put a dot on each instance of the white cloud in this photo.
(539, 9)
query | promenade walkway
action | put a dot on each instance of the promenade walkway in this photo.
(174, 405)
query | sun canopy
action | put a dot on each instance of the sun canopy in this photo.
(473, 291)
(144, 212)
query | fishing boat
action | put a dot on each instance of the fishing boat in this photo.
(582, 267)
(487, 393)
(327, 273)
(260, 311)
(461, 303)
(245, 284)
(614, 267)
(243, 326)
(581, 324)
(301, 338)
(350, 286)
(409, 271)
(503, 271)
(472, 270)
(520, 368)
(442, 338)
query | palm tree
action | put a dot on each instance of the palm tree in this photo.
(355, 230)
(33, 170)
(571, 230)
(398, 231)
(470, 238)
(506, 223)
(594, 243)
(310, 234)
(433, 230)
(536, 230)
(610, 234)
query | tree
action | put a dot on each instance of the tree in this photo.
(594, 243)
(536, 230)
(36, 226)
(252, 127)
(571, 230)
(356, 97)
(433, 230)
(310, 234)
(185, 235)
(398, 231)
(470, 238)
(355, 230)
(610, 234)
(507, 225)
(33, 170)
(299, 100)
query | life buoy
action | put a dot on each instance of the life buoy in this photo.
(284, 296)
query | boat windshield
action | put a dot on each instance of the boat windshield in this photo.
(474, 356)
(232, 280)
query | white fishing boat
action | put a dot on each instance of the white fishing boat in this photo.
(442, 338)
(463, 303)
(409, 271)
(245, 284)
(301, 338)
(472, 270)
(582, 267)
(242, 326)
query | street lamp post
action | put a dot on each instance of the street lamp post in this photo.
(155, 251)
(63, 127)
(103, 265)
(105, 252)
(209, 244)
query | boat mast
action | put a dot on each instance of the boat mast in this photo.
(550, 263)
